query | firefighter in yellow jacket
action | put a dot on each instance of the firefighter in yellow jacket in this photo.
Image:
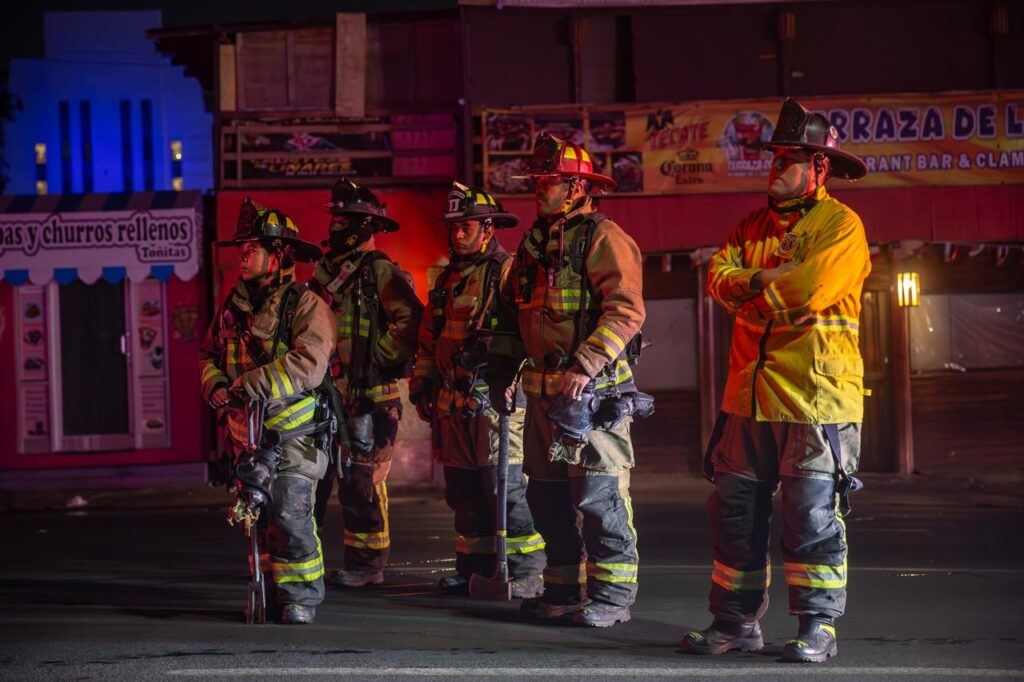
(792, 274)
(449, 390)
(271, 342)
(578, 294)
(378, 317)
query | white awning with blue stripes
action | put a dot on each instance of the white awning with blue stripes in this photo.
(92, 236)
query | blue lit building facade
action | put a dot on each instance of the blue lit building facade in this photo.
(103, 111)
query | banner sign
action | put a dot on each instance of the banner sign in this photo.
(91, 244)
(700, 147)
(392, 149)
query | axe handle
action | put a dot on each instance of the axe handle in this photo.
(501, 502)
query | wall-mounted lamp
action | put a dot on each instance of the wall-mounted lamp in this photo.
(176, 177)
(907, 289)
(41, 184)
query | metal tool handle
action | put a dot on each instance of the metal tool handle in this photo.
(501, 516)
(256, 605)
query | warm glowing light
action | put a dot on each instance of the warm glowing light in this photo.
(40, 152)
(176, 150)
(41, 187)
(907, 289)
(177, 185)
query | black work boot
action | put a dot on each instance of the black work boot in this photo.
(546, 607)
(601, 614)
(456, 585)
(722, 636)
(815, 642)
(528, 587)
(297, 614)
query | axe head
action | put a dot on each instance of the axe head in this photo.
(490, 589)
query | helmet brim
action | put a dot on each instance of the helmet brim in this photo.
(501, 221)
(380, 223)
(602, 182)
(305, 252)
(844, 164)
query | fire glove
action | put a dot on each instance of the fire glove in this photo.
(360, 428)
(613, 411)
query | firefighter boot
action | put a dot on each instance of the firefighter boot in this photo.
(722, 636)
(297, 614)
(345, 578)
(456, 585)
(527, 588)
(601, 614)
(815, 642)
(548, 607)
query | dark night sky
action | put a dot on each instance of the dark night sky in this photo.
(23, 37)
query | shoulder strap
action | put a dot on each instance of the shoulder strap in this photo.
(286, 315)
(581, 249)
(490, 292)
(437, 297)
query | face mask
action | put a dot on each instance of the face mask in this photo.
(346, 234)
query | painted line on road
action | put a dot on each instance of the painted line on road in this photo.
(759, 671)
(777, 569)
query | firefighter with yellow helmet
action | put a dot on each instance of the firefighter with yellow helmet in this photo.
(448, 389)
(378, 316)
(792, 274)
(577, 293)
(271, 343)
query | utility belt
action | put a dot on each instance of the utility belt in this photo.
(560, 362)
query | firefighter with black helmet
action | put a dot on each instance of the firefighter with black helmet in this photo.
(271, 343)
(792, 274)
(448, 389)
(378, 317)
(577, 292)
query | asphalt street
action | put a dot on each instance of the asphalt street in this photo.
(150, 585)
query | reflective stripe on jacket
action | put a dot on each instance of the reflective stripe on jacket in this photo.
(795, 354)
(464, 298)
(547, 314)
(295, 368)
(399, 308)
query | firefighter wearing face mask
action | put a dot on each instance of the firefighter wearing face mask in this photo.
(271, 343)
(378, 316)
(792, 274)
(577, 291)
(448, 390)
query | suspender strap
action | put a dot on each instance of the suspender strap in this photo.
(845, 483)
(716, 435)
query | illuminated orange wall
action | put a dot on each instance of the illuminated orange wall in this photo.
(420, 243)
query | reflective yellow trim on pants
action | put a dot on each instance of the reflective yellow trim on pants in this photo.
(815, 575)
(612, 573)
(470, 544)
(734, 579)
(570, 574)
(524, 544)
(301, 572)
(377, 541)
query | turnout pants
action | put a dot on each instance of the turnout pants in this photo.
(291, 550)
(363, 495)
(583, 511)
(751, 461)
(469, 453)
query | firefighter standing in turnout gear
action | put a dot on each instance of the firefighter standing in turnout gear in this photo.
(378, 316)
(792, 274)
(271, 343)
(577, 295)
(448, 390)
